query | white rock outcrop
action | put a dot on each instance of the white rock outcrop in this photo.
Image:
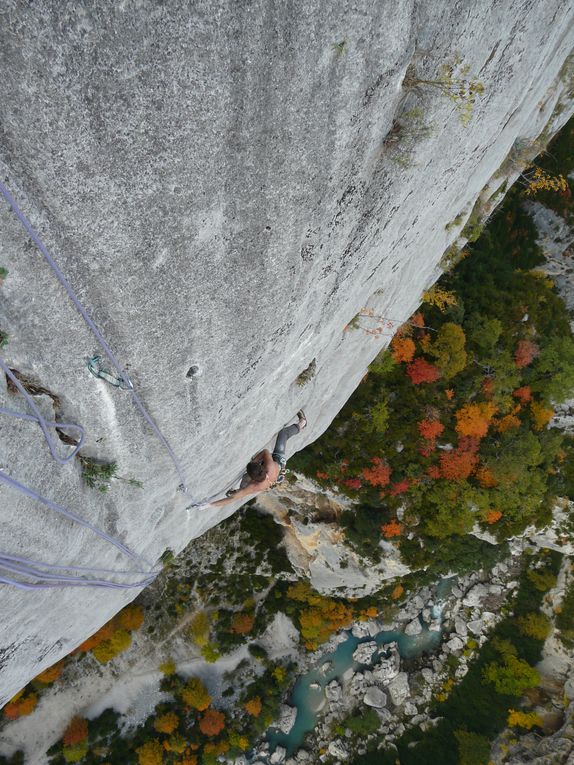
(217, 183)
(364, 652)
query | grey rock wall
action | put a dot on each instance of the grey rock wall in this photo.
(214, 180)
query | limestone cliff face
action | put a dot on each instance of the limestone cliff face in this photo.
(225, 185)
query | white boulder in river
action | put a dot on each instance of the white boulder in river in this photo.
(364, 652)
(286, 720)
(414, 628)
(333, 691)
(388, 665)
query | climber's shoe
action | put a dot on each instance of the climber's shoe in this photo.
(302, 419)
(230, 492)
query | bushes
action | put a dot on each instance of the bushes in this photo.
(362, 724)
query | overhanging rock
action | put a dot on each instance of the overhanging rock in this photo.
(225, 187)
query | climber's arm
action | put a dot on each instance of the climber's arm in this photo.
(251, 488)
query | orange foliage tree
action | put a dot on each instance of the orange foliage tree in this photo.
(253, 706)
(379, 474)
(20, 705)
(402, 349)
(525, 353)
(76, 732)
(474, 419)
(507, 422)
(212, 722)
(52, 673)
(131, 618)
(391, 529)
(421, 371)
(493, 516)
(485, 478)
(397, 592)
(242, 623)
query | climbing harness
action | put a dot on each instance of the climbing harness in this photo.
(95, 331)
(49, 575)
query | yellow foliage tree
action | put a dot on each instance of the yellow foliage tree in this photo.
(518, 719)
(131, 618)
(168, 667)
(150, 753)
(323, 617)
(440, 298)
(119, 642)
(253, 706)
(166, 723)
(195, 694)
(199, 629)
(541, 416)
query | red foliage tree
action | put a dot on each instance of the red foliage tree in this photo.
(212, 722)
(430, 429)
(525, 353)
(421, 371)
(524, 394)
(379, 474)
(457, 465)
(399, 488)
(242, 624)
(76, 732)
(352, 483)
(433, 471)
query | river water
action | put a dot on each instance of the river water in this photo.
(309, 691)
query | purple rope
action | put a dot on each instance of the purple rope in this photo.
(72, 516)
(95, 331)
(44, 424)
(28, 567)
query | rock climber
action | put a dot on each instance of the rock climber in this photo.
(266, 469)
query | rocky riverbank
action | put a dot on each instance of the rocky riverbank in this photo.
(400, 689)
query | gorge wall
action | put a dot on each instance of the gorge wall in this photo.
(225, 187)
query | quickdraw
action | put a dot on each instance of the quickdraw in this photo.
(95, 367)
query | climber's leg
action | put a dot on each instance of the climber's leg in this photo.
(283, 436)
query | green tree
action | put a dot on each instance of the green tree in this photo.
(448, 350)
(484, 333)
(535, 625)
(511, 677)
(473, 749)
(554, 369)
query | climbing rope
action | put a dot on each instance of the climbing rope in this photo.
(41, 571)
(38, 418)
(33, 569)
(95, 331)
